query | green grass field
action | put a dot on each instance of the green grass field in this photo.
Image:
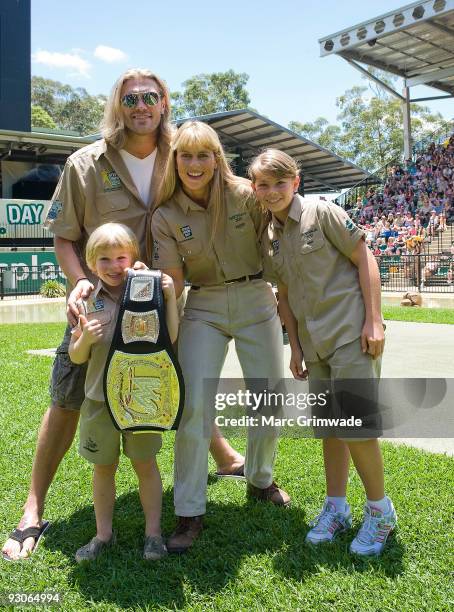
(419, 315)
(251, 556)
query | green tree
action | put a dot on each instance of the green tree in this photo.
(70, 109)
(370, 128)
(211, 93)
(41, 118)
(321, 132)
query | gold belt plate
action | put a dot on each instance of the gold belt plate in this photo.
(143, 390)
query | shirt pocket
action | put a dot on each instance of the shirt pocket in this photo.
(100, 315)
(311, 246)
(190, 249)
(108, 203)
(241, 225)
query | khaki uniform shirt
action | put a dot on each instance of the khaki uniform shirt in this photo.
(181, 239)
(310, 255)
(96, 188)
(104, 307)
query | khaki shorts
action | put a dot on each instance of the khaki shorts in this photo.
(67, 383)
(100, 440)
(351, 377)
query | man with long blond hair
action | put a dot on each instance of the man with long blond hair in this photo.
(114, 179)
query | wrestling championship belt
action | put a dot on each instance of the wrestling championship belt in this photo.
(143, 383)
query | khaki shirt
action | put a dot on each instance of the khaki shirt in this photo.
(310, 255)
(96, 188)
(104, 307)
(181, 232)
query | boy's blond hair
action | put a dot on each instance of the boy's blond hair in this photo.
(274, 162)
(111, 236)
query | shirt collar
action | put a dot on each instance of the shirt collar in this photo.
(100, 289)
(294, 213)
(186, 203)
(101, 146)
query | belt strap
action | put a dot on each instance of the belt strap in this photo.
(240, 279)
(143, 383)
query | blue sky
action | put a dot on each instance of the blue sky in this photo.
(88, 43)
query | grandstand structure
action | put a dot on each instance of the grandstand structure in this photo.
(415, 42)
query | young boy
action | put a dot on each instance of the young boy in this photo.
(329, 298)
(111, 250)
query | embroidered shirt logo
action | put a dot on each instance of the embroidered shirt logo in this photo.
(309, 235)
(350, 226)
(54, 210)
(275, 246)
(186, 231)
(111, 180)
(155, 250)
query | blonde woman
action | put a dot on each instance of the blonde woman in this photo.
(205, 231)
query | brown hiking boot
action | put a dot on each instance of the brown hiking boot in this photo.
(187, 530)
(273, 494)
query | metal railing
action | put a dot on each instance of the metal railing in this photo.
(425, 273)
(25, 280)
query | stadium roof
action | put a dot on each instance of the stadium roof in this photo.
(415, 42)
(245, 133)
(40, 147)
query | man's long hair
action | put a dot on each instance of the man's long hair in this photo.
(112, 126)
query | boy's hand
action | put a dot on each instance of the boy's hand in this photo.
(373, 338)
(91, 330)
(296, 364)
(168, 288)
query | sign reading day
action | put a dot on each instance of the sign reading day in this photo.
(23, 218)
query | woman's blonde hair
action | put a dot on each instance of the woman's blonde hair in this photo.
(112, 125)
(111, 236)
(274, 162)
(198, 134)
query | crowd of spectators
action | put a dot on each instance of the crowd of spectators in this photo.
(415, 203)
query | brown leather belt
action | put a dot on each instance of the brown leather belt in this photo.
(240, 279)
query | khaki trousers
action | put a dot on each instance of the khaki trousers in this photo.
(245, 312)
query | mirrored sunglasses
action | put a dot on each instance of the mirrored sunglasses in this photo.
(150, 98)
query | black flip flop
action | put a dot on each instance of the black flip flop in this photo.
(238, 474)
(20, 535)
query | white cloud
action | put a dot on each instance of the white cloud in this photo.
(63, 60)
(109, 54)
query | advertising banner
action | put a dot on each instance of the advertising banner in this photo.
(23, 219)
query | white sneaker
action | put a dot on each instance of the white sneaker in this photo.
(328, 524)
(373, 533)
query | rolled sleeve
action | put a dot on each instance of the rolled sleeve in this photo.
(66, 213)
(165, 249)
(340, 230)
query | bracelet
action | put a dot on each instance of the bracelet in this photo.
(81, 278)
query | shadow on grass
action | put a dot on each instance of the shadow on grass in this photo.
(122, 578)
(300, 560)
